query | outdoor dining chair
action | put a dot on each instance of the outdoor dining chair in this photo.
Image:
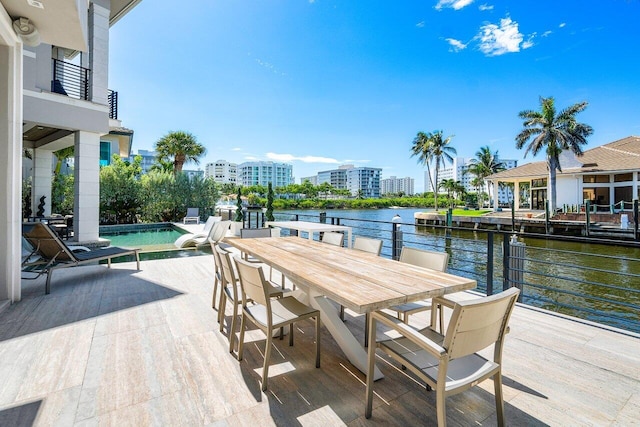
(449, 363)
(269, 314)
(367, 244)
(256, 233)
(333, 238)
(230, 292)
(427, 259)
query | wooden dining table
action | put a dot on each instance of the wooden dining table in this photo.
(360, 281)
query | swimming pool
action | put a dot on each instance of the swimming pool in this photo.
(147, 237)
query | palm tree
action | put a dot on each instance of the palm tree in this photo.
(486, 163)
(61, 156)
(181, 147)
(162, 166)
(555, 133)
(432, 147)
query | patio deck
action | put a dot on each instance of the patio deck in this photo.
(126, 347)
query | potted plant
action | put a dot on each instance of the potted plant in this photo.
(269, 212)
(238, 221)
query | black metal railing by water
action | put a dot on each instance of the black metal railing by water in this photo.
(70, 80)
(112, 97)
(592, 279)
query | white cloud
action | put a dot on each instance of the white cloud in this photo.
(236, 149)
(456, 45)
(420, 24)
(562, 25)
(485, 6)
(546, 33)
(454, 4)
(529, 42)
(504, 38)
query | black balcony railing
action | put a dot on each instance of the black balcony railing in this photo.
(70, 80)
(112, 98)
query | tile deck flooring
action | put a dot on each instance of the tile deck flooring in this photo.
(124, 347)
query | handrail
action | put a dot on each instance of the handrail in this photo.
(70, 79)
(112, 99)
(594, 284)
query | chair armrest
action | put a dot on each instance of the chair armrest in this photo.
(410, 333)
(443, 301)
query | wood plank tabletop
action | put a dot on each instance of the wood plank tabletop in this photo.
(358, 280)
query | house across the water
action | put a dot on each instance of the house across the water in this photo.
(606, 176)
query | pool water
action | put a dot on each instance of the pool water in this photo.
(148, 239)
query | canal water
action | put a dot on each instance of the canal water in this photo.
(595, 282)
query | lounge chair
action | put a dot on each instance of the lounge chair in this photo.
(50, 253)
(199, 238)
(193, 214)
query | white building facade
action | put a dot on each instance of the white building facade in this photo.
(222, 172)
(54, 91)
(263, 173)
(393, 185)
(364, 182)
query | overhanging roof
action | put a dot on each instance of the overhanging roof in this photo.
(61, 23)
(618, 156)
(119, 8)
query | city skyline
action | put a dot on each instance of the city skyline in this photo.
(321, 83)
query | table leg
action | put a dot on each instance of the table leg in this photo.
(343, 336)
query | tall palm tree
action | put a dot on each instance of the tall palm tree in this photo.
(181, 147)
(61, 156)
(486, 163)
(162, 166)
(555, 133)
(433, 147)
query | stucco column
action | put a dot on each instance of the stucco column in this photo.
(10, 160)
(495, 195)
(87, 186)
(516, 195)
(634, 189)
(99, 50)
(41, 186)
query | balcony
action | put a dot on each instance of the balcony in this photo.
(70, 79)
(112, 99)
(73, 81)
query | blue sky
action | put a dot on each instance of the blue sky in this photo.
(322, 83)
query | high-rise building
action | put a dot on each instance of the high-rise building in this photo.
(393, 185)
(337, 178)
(222, 172)
(263, 173)
(458, 171)
(149, 158)
(364, 181)
(312, 179)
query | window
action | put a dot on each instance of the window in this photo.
(623, 177)
(105, 153)
(595, 179)
(539, 183)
